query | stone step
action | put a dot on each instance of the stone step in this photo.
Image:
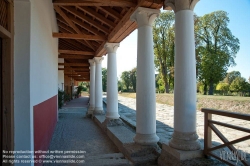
(106, 156)
(113, 159)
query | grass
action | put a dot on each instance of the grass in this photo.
(228, 103)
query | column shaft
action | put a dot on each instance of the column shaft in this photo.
(112, 90)
(184, 136)
(92, 87)
(98, 86)
(145, 91)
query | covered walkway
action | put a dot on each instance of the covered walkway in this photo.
(75, 132)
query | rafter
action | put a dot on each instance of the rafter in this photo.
(85, 18)
(76, 52)
(86, 26)
(69, 69)
(68, 56)
(78, 42)
(122, 3)
(75, 69)
(65, 17)
(73, 64)
(78, 36)
(64, 26)
(110, 12)
(97, 16)
(76, 73)
(126, 18)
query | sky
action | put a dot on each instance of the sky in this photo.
(239, 15)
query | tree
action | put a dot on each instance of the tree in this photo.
(231, 76)
(133, 78)
(104, 79)
(240, 84)
(159, 84)
(222, 86)
(163, 38)
(126, 79)
(120, 85)
(218, 48)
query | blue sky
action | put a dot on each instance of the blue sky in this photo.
(239, 15)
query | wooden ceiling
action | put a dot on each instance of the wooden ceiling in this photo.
(86, 25)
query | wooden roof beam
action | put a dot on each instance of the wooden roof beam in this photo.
(86, 72)
(82, 43)
(73, 64)
(111, 12)
(77, 75)
(97, 16)
(69, 56)
(122, 3)
(74, 69)
(78, 36)
(86, 26)
(76, 52)
(65, 17)
(80, 15)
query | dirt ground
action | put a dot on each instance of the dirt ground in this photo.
(227, 103)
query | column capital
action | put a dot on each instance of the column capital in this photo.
(92, 62)
(144, 16)
(178, 5)
(111, 47)
(98, 59)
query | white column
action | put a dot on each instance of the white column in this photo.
(145, 91)
(184, 136)
(98, 86)
(92, 87)
(112, 91)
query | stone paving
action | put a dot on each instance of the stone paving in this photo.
(75, 132)
(164, 123)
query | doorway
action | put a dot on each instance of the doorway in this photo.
(1, 90)
(6, 75)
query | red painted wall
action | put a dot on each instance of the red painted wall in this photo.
(45, 118)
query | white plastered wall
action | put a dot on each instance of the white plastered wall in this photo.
(35, 65)
(44, 52)
(22, 114)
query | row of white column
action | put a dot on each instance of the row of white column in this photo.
(184, 136)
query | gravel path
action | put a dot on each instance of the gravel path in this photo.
(164, 124)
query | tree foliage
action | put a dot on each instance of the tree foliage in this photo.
(120, 85)
(104, 79)
(217, 48)
(126, 79)
(240, 84)
(133, 76)
(223, 87)
(231, 76)
(163, 37)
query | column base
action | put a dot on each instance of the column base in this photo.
(185, 141)
(112, 122)
(91, 110)
(171, 156)
(146, 139)
(98, 111)
(112, 115)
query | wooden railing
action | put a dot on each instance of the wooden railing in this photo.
(209, 126)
